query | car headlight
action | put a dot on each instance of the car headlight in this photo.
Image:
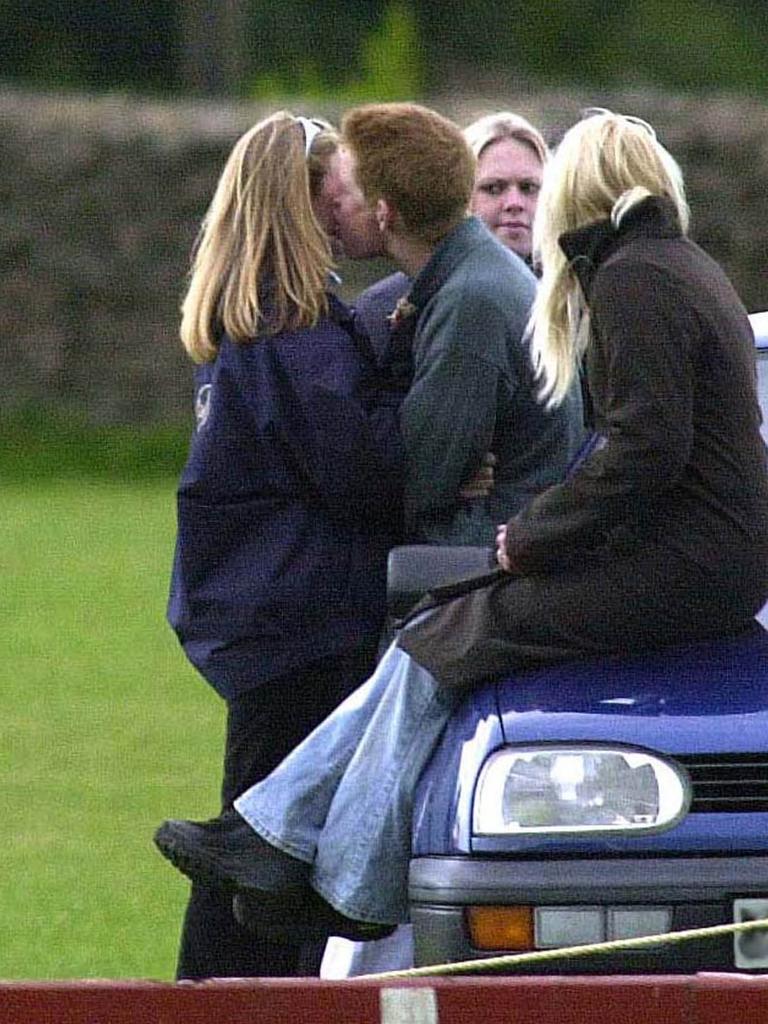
(579, 788)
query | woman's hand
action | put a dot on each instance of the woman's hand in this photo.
(480, 484)
(501, 548)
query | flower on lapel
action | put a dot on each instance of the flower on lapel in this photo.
(403, 311)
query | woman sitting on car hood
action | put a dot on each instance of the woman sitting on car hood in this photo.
(658, 537)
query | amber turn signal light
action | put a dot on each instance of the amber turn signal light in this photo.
(501, 927)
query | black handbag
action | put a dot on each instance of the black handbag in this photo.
(414, 570)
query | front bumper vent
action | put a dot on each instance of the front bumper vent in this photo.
(727, 783)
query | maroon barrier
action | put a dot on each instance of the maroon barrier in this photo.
(700, 999)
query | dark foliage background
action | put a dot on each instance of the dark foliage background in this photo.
(242, 47)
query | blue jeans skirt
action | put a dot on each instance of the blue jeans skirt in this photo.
(342, 800)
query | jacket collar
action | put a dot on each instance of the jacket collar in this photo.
(586, 248)
(447, 255)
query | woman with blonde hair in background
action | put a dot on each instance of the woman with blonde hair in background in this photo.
(511, 155)
(658, 537)
(290, 498)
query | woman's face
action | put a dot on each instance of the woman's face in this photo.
(506, 191)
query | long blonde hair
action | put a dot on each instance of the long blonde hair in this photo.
(604, 165)
(261, 260)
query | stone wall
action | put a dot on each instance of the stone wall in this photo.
(102, 197)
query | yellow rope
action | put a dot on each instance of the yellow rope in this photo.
(590, 949)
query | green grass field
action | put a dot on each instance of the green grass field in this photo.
(106, 729)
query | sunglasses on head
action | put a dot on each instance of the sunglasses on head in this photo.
(311, 128)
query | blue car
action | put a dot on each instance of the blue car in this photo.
(603, 800)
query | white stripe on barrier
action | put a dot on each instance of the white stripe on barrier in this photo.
(408, 1006)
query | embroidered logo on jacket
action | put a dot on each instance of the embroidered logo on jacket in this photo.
(203, 405)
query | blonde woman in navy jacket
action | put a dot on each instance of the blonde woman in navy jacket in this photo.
(290, 498)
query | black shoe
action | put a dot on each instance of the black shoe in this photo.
(308, 916)
(227, 852)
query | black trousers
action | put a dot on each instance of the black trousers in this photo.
(263, 725)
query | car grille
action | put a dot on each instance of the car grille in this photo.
(732, 783)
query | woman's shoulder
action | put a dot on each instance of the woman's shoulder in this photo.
(493, 278)
(323, 351)
(332, 326)
(660, 266)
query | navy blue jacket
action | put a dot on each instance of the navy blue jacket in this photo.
(287, 506)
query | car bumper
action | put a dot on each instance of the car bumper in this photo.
(699, 892)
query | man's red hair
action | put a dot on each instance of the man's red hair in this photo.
(415, 159)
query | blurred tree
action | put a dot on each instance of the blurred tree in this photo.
(213, 48)
(383, 47)
(88, 43)
(387, 63)
(285, 36)
(392, 58)
(689, 44)
(722, 44)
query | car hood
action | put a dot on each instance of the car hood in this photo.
(699, 698)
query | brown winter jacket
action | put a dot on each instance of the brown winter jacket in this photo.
(682, 471)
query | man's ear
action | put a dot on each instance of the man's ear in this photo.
(384, 214)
